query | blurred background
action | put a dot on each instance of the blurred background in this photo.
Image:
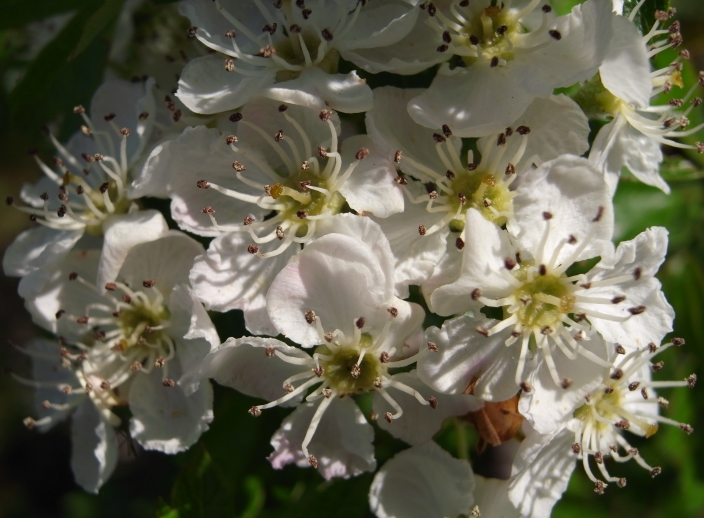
(48, 67)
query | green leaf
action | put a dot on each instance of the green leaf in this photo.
(645, 18)
(99, 21)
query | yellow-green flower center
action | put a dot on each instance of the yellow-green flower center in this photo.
(543, 301)
(344, 375)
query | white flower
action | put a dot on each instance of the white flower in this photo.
(453, 182)
(622, 92)
(526, 276)
(423, 482)
(88, 187)
(135, 337)
(62, 392)
(294, 47)
(286, 160)
(606, 402)
(512, 52)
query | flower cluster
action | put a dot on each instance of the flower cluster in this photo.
(479, 199)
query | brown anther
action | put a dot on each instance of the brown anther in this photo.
(555, 34)
(623, 424)
(208, 210)
(476, 294)
(9, 201)
(509, 263)
(655, 471)
(657, 367)
(644, 393)
(459, 243)
(109, 117)
(482, 330)
(392, 311)
(270, 28)
(599, 487)
(105, 385)
(576, 448)
(384, 357)
(526, 386)
(389, 417)
(618, 299)
(288, 388)
(310, 316)
(360, 322)
(279, 233)
(433, 401)
(547, 330)
(494, 62)
(318, 371)
(203, 184)
(136, 367)
(328, 337)
(278, 137)
(269, 351)
(501, 139)
(446, 37)
(442, 48)
(361, 153)
(29, 422)
(523, 130)
(678, 341)
(125, 132)
(620, 349)
(255, 411)
(462, 197)
(546, 8)
(148, 283)
(248, 220)
(472, 166)
(633, 386)
(82, 320)
(433, 195)
(501, 30)
(421, 230)
(235, 117)
(599, 457)
(617, 374)
(542, 269)
(547, 215)
(510, 169)
(691, 380)
(327, 393)
(566, 383)
(305, 166)
(104, 187)
(449, 175)
(325, 115)
(79, 109)
(79, 190)
(252, 249)
(637, 310)
(301, 214)
(67, 389)
(267, 51)
(72, 276)
(295, 29)
(438, 138)
(355, 371)
(686, 428)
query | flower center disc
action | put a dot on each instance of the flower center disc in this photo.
(340, 370)
(543, 301)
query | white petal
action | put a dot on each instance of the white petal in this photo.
(167, 260)
(573, 190)
(422, 482)
(342, 442)
(152, 179)
(206, 87)
(548, 406)
(541, 471)
(625, 71)
(474, 102)
(228, 277)
(380, 25)
(317, 89)
(164, 418)
(485, 250)
(420, 422)
(491, 497)
(467, 358)
(122, 233)
(243, 365)
(371, 187)
(339, 278)
(557, 125)
(38, 247)
(93, 448)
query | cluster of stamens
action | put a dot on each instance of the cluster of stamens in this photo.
(90, 188)
(306, 192)
(483, 186)
(283, 45)
(345, 366)
(615, 406)
(493, 33)
(547, 305)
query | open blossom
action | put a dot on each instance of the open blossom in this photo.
(288, 51)
(426, 236)
(527, 276)
(264, 192)
(337, 296)
(622, 93)
(133, 339)
(88, 187)
(510, 53)
(589, 421)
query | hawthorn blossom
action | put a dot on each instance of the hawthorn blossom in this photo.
(426, 235)
(88, 187)
(508, 53)
(289, 52)
(543, 305)
(622, 93)
(595, 413)
(62, 392)
(263, 193)
(133, 339)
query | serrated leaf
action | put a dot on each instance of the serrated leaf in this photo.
(99, 21)
(645, 17)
